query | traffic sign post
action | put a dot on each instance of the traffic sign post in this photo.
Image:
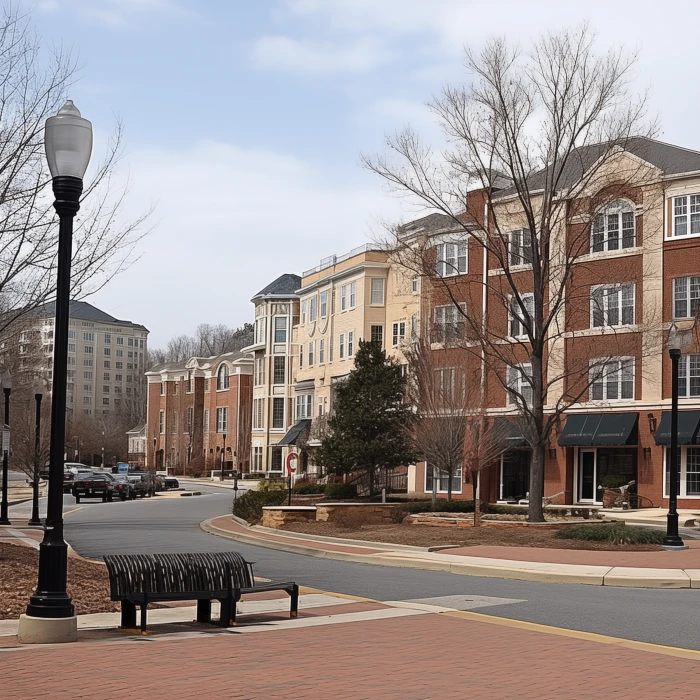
(291, 468)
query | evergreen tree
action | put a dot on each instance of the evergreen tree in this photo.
(369, 427)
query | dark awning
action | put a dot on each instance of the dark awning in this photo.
(295, 432)
(688, 428)
(600, 429)
(512, 432)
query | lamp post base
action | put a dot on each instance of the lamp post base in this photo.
(47, 630)
(674, 547)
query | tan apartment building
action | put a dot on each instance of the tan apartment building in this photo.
(276, 313)
(345, 299)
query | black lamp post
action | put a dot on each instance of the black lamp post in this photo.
(223, 458)
(673, 540)
(68, 144)
(7, 389)
(35, 520)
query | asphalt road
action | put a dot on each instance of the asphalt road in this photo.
(667, 617)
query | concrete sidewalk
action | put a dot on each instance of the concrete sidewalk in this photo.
(599, 568)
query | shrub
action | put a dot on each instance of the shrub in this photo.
(615, 533)
(249, 506)
(499, 509)
(441, 506)
(267, 486)
(340, 492)
(613, 481)
(306, 487)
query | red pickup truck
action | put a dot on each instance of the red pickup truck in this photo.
(93, 485)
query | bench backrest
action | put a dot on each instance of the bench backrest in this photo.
(176, 573)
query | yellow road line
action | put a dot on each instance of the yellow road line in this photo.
(542, 629)
(68, 512)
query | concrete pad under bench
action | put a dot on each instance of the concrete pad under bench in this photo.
(630, 577)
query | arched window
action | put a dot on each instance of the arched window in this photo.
(613, 227)
(222, 378)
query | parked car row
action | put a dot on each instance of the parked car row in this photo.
(84, 482)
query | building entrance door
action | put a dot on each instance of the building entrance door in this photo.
(586, 476)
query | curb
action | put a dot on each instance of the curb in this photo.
(625, 577)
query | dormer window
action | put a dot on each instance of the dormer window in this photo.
(613, 227)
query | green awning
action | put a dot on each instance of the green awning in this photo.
(598, 429)
(295, 432)
(688, 428)
(511, 431)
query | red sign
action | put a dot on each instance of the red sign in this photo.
(291, 457)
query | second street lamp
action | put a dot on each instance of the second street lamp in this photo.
(50, 615)
(673, 540)
(38, 396)
(6, 389)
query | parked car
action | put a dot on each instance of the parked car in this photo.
(143, 483)
(70, 471)
(122, 487)
(93, 485)
(171, 483)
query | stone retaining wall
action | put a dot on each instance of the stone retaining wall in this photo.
(276, 516)
(356, 513)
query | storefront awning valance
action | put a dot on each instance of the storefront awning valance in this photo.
(597, 429)
(511, 431)
(688, 428)
(295, 432)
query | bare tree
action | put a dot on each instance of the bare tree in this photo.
(535, 151)
(32, 87)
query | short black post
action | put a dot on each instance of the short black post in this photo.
(289, 499)
(35, 520)
(673, 540)
(4, 517)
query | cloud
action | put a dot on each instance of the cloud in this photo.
(326, 58)
(229, 220)
(119, 14)
(47, 6)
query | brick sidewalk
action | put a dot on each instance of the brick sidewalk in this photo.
(412, 658)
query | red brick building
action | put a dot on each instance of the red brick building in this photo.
(199, 414)
(639, 272)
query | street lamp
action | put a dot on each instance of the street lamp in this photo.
(38, 396)
(223, 458)
(7, 389)
(50, 614)
(673, 540)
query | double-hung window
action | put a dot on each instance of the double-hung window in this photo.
(312, 309)
(689, 376)
(221, 419)
(161, 422)
(258, 414)
(259, 371)
(519, 248)
(280, 329)
(351, 343)
(341, 346)
(279, 367)
(688, 462)
(324, 304)
(278, 412)
(398, 333)
(343, 297)
(686, 297)
(442, 479)
(376, 291)
(449, 322)
(612, 305)
(303, 313)
(518, 320)
(303, 406)
(311, 352)
(520, 384)
(613, 228)
(301, 355)
(257, 458)
(686, 215)
(612, 380)
(321, 351)
(450, 260)
(353, 294)
(377, 335)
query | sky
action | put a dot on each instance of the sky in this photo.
(245, 120)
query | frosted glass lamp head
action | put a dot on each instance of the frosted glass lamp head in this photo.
(674, 337)
(6, 381)
(68, 142)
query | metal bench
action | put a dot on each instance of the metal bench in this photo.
(140, 579)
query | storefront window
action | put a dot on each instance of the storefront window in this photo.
(688, 471)
(443, 480)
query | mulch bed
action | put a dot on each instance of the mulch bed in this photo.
(88, 583)
(426, 536)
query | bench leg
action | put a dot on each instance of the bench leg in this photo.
(128, 615)
(144, 608)
(204, 611)
(294, 605)
(228, 611)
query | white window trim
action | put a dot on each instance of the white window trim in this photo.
(522, 368)
(685, 360)
(684, 470)
(458, 250)
(222, 419)
(606, 309)
(616, 208)
(602, 362)
(511, 316)
(352, 295)
(687, 298)
(397, 334)
(322, 351)
(671, 233)
(321, 312)
(372, 280)
(521, 236)
(341, 346)
(343, 298)
(456, 475)
(350, 344)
